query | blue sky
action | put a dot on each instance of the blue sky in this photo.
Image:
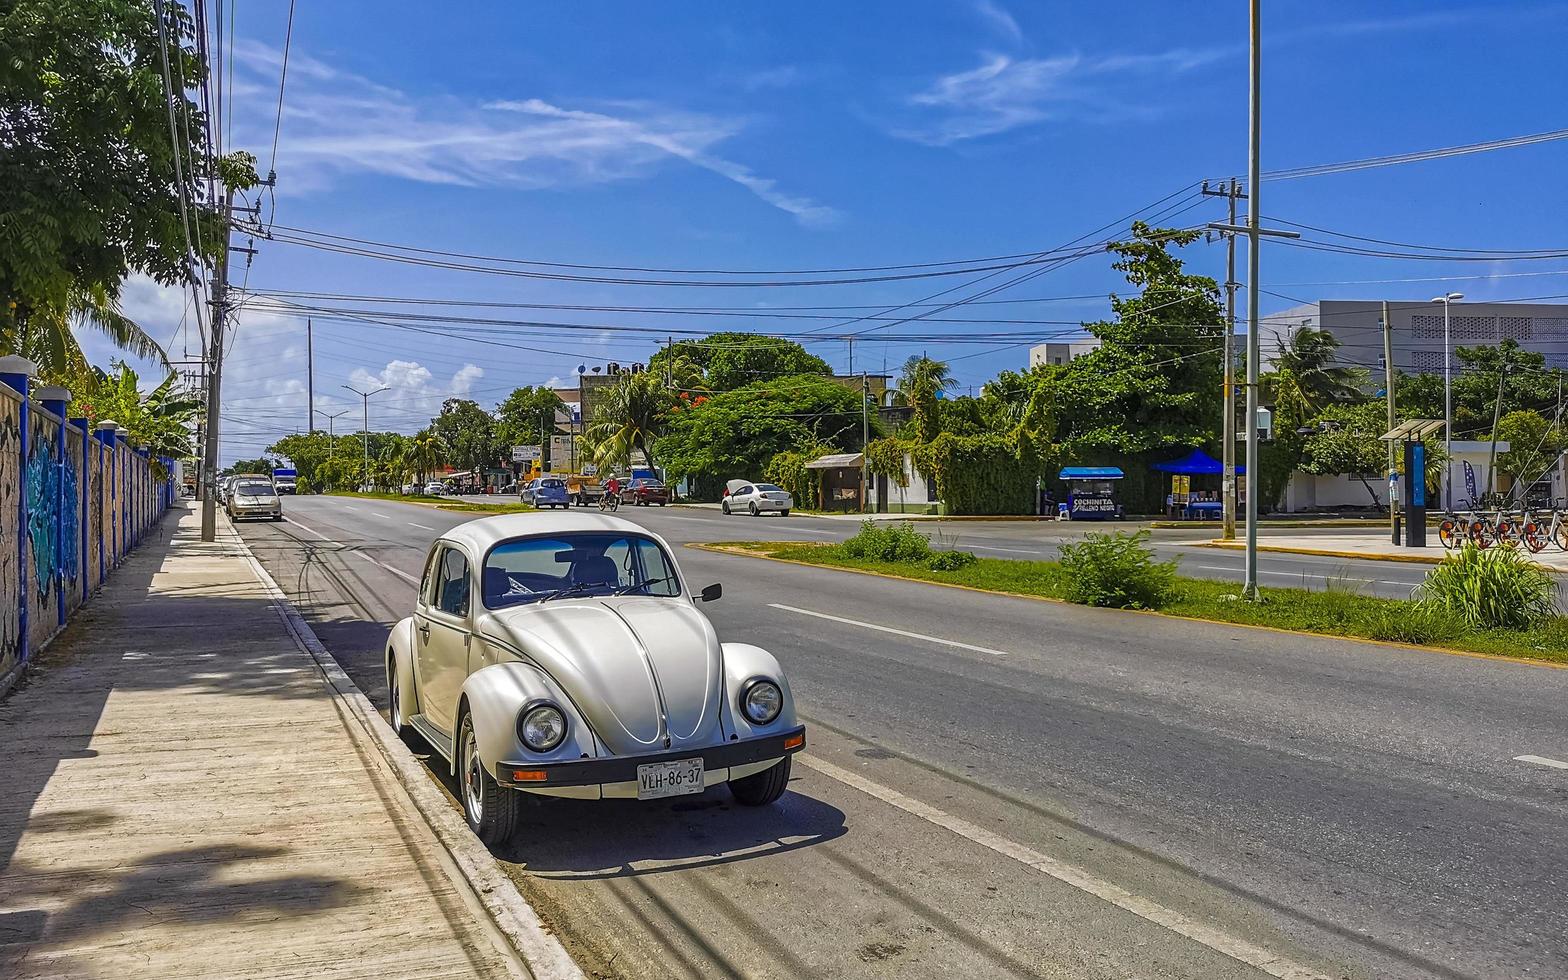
(818, 134)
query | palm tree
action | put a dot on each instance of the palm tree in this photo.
(628, 418)
(1308, 359)
(161, 420)
(921, 383)
(424, 453)
(49, 341)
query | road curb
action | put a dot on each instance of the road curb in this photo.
(472, 870)
(1323, 552)
(1390, 644)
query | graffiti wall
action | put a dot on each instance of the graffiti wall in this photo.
(73, 506)
(10, 536)
(42, 478)
(94, 512)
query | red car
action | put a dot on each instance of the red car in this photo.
(644, 492)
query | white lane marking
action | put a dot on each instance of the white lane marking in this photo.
(1308, 576)
(308, 530)
(350, 507)
(384, 517)
(690, 520)
(889, 629)
(1541, 760)
(1215, 939)
(395, 571)
(420, 526)
(1015, 551)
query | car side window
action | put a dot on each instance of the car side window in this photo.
(452, 585)
(430, 571)
(743, 491)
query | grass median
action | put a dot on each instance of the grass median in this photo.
(509, 506)
(1336, 608)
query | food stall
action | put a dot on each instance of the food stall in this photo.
(1091, 493)
(1189, 503)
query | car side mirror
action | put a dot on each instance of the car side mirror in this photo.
(711, 593)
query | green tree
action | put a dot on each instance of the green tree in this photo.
(629, 417)
(90, 180)
(527, 416)
(426, 453)
(735, 434)
(921, 384)
(1348, 443)
(1310, 359)
(469, 433)
(732, 359)
(1534, 443)
(259, 465)
(161, 419)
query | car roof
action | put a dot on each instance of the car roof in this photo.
(477, 536)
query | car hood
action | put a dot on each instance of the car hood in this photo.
(646, 672)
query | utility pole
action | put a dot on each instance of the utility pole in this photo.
(310, 379)
(1228, 425)
(365, 397)
(1497, 414)
(851, 355)
(1254, 233)
(1388, 391)
(1447, 299)
(865, 437)
(220, 313)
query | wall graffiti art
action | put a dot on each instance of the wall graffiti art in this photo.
(43, 504)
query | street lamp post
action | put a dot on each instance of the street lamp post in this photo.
(365, 396)
(1448, 402)
(332, 418)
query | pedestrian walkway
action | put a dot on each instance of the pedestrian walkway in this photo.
(1375, 545)
(184, 797)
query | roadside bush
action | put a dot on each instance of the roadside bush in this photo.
(950, 560)
(888, 542)
(1497, 588)
(1414, 623)
(1117, 570)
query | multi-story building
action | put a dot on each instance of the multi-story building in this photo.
(1060, 352)
(1417, 329)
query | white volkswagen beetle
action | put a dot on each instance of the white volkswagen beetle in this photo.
(564, 655)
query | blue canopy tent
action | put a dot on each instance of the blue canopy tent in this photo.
(1196, 463)
(1183, 502)
(1090, 493)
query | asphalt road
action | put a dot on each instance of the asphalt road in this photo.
(1004, 787)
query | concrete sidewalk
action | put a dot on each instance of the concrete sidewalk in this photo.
(184, 797)
(1377, 546)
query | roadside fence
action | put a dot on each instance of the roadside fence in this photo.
(74, 500)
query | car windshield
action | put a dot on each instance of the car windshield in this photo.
(255, 490)
(537, 569)
(769, 488)
(554, 484)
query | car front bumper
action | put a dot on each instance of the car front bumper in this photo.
(242, 511)
(616, 776)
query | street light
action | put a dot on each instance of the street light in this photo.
(1448, 405)
(365, 395)
(332, 418)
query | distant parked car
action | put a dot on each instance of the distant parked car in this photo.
(754, 498)
(408, 489)
(254, 497)
(547, 491)
(434, 489)
(643, 492)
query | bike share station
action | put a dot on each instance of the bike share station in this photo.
(1408, 437)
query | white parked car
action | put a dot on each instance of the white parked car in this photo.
(434, 489)
(565, 655)
(754, 498)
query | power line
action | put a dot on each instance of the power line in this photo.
(283, 77)
(1368, 163)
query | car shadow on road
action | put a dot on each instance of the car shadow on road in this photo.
(588, 840)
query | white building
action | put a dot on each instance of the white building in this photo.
(1417, 330)
(1307, 492)
(1060, 352)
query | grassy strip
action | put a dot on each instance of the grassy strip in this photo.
(1337, 610)
(440, 503)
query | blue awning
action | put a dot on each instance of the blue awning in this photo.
(1091, 473)
(1195, 463)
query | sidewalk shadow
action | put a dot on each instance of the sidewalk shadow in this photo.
(586, 840)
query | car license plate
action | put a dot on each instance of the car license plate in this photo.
(660, 779)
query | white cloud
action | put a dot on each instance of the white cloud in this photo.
(999, 20)
(414, 396)
(338, 123)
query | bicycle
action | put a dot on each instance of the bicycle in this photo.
(1457, 528)
(609, 502)
(1537, 536)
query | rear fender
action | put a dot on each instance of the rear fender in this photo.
(495, 696)
(400, 659)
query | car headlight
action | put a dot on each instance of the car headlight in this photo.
(541, 727)
(762, 701)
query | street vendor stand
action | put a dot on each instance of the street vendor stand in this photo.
(1186, 503)
(1091, 493)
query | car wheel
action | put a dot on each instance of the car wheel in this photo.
(784, 512)
(724, 505)
(394, 692)
(753, 508)
(491, 809)
(762, 788)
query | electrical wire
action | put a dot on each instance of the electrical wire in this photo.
(1418, 156)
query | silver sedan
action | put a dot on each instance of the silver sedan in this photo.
(254, 499)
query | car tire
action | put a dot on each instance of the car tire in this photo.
(760, 789)
(394, 701)
(784, 512)
(753, 509)
(491, 809)
(724, 505)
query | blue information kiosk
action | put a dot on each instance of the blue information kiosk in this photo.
(1408, 438)
(1091, 493)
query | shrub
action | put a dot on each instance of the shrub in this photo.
(1414, 623)
(890, 542)
(1117, 570)
(950, 560)
(1497, 588)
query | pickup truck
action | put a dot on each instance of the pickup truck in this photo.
(583, 490)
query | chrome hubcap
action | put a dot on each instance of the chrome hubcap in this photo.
(397, 707)
(472, 797)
